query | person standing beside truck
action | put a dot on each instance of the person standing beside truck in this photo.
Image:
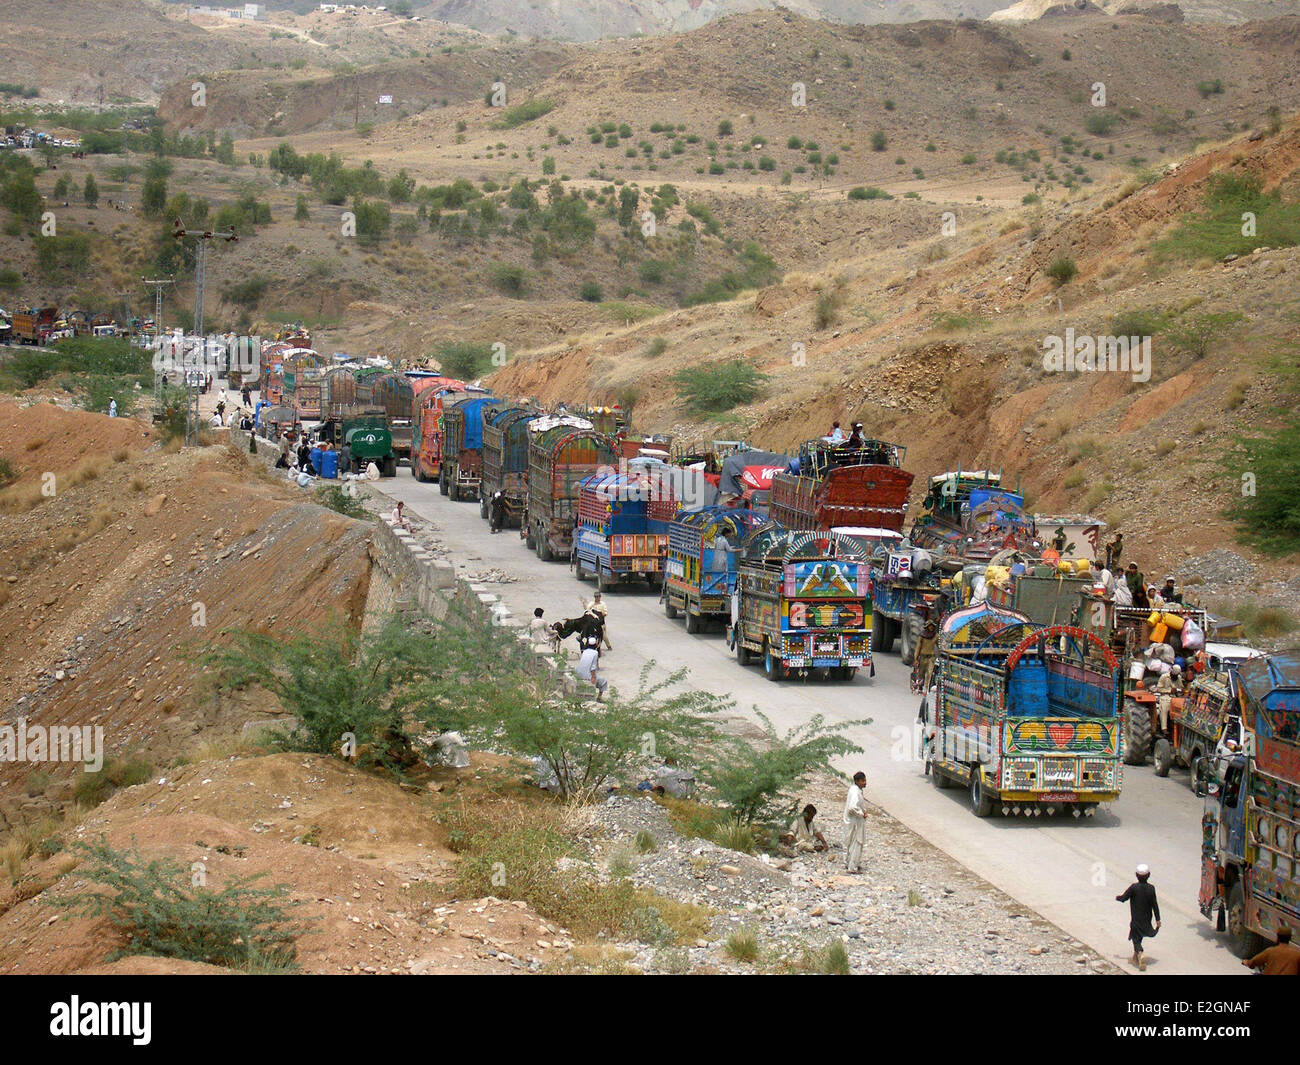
(1144, 913)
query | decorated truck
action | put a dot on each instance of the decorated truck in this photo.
(562, 450)
(967, 514)
(395, 393)
(364, 432)
(864, 487)
(462, 445)
(505, 459)
(34, 326)
(1024, 716)
(622, 531)
(1046, 594)
(426, 432)
(1250, 830)
(700, 570)
(801, 603)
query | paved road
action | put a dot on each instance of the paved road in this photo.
(1068, 870)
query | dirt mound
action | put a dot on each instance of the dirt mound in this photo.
(42, 438)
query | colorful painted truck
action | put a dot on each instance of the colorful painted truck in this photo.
(802, 604)
(505, 459)
(1043, 593)
(968, 515)
(1250, 842)
(700, 572)
(395, 393)
(303, 372)
(1025, 716)
(562, 450)
(426, 433)
(622, 531)
(462, 445)
(864, 487)
(34, 326)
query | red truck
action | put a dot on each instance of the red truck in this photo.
(842, 486)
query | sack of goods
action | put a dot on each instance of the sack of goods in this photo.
(998, 576)
(1193, 636)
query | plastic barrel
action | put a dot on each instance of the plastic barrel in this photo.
(329, 464)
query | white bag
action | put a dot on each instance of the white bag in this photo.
(1193, 636)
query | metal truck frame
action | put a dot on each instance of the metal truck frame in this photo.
(801, 601)
(1250, 831)
(622, 530)
(1026, 717)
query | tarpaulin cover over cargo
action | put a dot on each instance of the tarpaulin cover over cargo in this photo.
(734, 466)
(462, 421)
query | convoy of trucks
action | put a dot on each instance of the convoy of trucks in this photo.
(801, 604)
(1024, 716)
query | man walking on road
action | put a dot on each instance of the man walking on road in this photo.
(1280, 960)
(855, 824)
(1142, 907)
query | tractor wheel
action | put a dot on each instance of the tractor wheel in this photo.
(1196, 773)
(1241, 940)
(1137, 732)
(882, 635)
(1162, 757)
(981, 803)
(908, 650)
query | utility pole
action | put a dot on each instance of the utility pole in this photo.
(201, 236)
(158, 285)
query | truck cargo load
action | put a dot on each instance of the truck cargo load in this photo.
(1025, 716)
(426, 431)
(968, 515)
(838, 485)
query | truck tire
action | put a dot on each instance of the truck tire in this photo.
(442, 482)
(577, 569)
(907, 652)
(415, 470)
(939, 779)
(544, 549)
(981, 803)
(692, 621)
(1137, 733)
(390, 466)
(882, 636)
(602, 585)
(670, 609)
(1241, 940)
(530, 541)
(1162, 757)
(1196, 772)
(846, 673)
(453, 491)
(772, 668)
(482, 507)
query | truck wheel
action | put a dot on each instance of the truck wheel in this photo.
(772, 667)
(544, 549)
(1137, 732)
(908, 650)
(442, 483)
(1162, 756)
(529, 540)
(601, 584)
(415, 470)
(1196, 773)
(939, 779)
(847, 673)
(882, 636)
(482, 507)
(670, 609)
(692, 621)
(1241, 940)
(981, 803)
(453, 491)
(390, 467)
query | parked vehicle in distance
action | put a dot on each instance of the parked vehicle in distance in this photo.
(700, 569)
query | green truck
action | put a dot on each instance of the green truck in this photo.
(365, 433)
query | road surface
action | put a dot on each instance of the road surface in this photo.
(1069, 870)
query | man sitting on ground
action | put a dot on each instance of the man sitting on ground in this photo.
(802, 836)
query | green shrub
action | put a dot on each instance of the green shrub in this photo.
(879, 141)
(1099, 123)
(742, 945)
(8, 472)
(656, 347)
(155, 907)
(509, 279)
(93, 788)
(591, 292)
(1062, 269)
(1268, 464)
(868, 192)
(333, 497)
(719, 387)
(528, 111)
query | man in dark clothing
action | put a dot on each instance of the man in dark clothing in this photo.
(1280, 960)
(1142, 907)
(496, 511)
(1115, 552)
(1168, 592)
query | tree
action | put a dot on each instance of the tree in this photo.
(628, 198)
(153, 197)
(21, 196)
(62, 187)
(90, 193)
(300, 211)
(225, 152)
(763, 781)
